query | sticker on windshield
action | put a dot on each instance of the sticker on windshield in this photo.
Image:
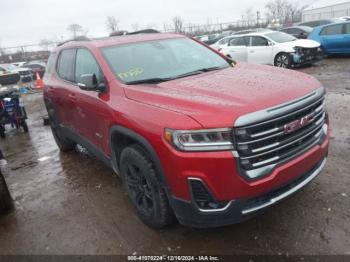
(131, 73)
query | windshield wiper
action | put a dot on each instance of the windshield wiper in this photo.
(212, 68)
(155, 80)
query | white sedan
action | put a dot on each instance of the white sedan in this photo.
(273, 48)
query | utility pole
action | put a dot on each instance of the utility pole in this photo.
(257, 18)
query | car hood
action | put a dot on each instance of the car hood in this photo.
(217, 99)
(306, 43)
(22, 69)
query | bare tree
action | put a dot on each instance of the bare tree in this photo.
(248, 17)
(76, 30)
(286, 11)
(166, 27)
(112, 24)
(178, 23)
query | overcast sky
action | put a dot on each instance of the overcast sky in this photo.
(28, 21)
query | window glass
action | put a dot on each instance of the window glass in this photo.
(258, 41)
(224, 41)
(281, 37)
(347, 28)
(333, 30)
(239, 41)
(65, 67)
(169, 58)
(86, 64)
(295, 31)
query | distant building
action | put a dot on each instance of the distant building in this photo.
(326, 9)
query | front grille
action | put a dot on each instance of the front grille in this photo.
(310, 53)
(270, 142)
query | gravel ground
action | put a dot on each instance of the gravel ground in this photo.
(72, 204)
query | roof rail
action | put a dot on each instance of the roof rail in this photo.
(144, 31)
(79, 38)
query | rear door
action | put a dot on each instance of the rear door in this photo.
(346, 42)
(64, 89)
(238, 49)
(259, 50)
(333, 38)
(92, 113)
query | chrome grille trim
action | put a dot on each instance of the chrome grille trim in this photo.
(265, 143)
(280, 110)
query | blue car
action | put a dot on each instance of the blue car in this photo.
(334, 38)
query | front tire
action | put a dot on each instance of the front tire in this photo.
(144, 188)
(283, 60)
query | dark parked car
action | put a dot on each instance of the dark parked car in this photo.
(301, 32)
(321, 22)
(36, 67)
(213, 40)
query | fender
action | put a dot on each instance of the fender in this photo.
(145, 144)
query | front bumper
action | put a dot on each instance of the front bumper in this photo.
(299, 59)
(243, 209)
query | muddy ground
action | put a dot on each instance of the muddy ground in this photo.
(73, 204)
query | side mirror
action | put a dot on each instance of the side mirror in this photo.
(270, 43)
(88, 82)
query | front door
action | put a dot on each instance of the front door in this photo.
(259, 51)
(92, 111)
(237, 49)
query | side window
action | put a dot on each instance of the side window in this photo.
(239, 41)
(86, 64)
(223, 41)
(258, 41)
(333, 30)
(50, 63)
(347, 29)
(295, 31)
(65, 66)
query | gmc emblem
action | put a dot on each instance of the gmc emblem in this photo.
(297, 124)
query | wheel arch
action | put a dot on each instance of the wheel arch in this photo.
(280, 53)
(121, 137)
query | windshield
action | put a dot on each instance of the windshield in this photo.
(280, 37)
(161, 59)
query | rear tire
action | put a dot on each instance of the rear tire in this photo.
(25, 126)
(64, 143)
(283, 60)
(2, 132)
(144, 188)
(6, 203)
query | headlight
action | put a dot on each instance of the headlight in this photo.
(200, 140)
(298, 50)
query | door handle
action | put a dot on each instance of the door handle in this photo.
(251, 51)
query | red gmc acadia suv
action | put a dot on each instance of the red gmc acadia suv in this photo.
(195, 136)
